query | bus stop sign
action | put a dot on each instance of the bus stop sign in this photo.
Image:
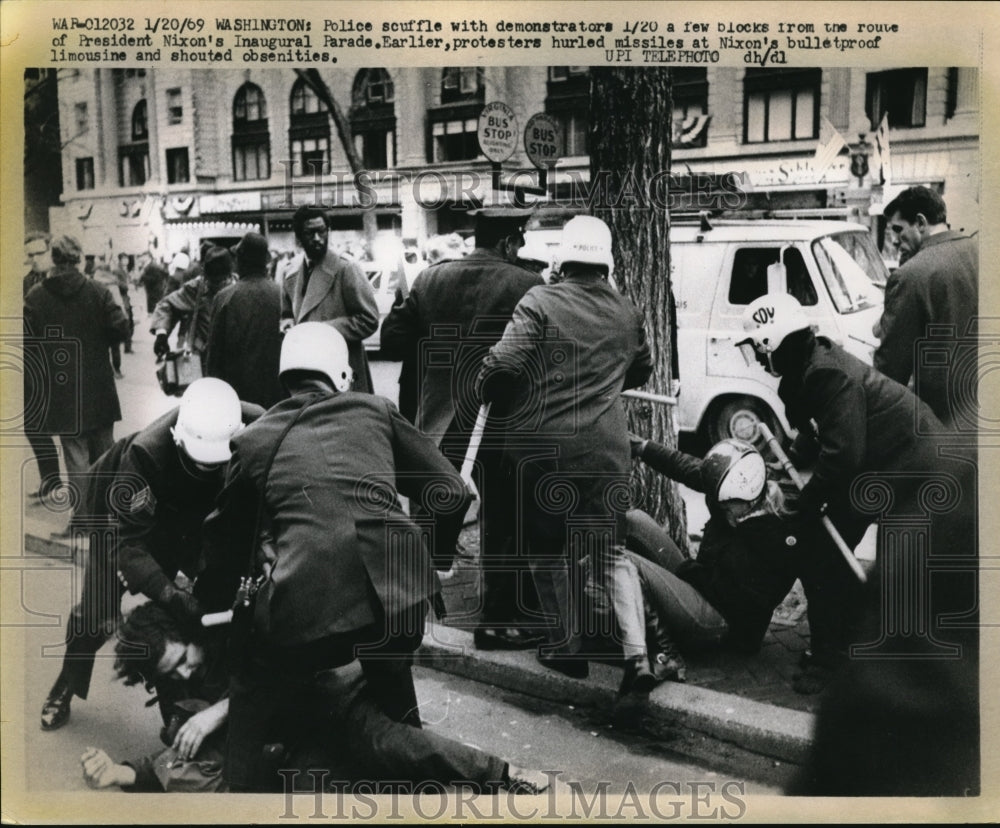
(497, 131)
(542, 140)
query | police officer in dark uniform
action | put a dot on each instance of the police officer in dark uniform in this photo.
(455, 312)
(902, 719)
(150, 492)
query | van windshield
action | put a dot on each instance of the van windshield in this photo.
(852, 270)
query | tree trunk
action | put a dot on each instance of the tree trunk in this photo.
(343, 126)
(630, 133)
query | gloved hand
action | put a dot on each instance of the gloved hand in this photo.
(637, 444)
(161, 347)
(183, 606)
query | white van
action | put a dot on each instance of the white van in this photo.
(719, 267)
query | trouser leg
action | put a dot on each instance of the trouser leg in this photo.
(621, 579)
(645, 537)
(559, 600)
(47, 457)
(688, 616)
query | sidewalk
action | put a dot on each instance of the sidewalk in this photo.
(729, 701)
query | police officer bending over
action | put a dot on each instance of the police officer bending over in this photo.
(351, 574)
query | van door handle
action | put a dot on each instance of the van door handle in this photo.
(720, 339)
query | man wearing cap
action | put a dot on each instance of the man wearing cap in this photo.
(152, 490)
(244, 342)
(70, 322)
(455, 312)
(328, 288)
(190, 306)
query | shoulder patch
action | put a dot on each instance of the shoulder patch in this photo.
(143, 501)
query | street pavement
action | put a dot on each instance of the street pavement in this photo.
(760, 684)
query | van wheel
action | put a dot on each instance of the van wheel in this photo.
(738, 417)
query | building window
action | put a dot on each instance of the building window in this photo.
(177, 166)
(133, 168)
(309, 133)
(567, 99)
(133, 159)
(373, 118)
(902, 93)
(690, 115)
(251, 139)
(175, 106)
(81, 118)
(780, 104)
(460, 83)
(85, 173)
(453, 125)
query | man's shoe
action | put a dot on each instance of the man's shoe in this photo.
(668, 667)
(524, 781)
(55, 711)
(638, 678)
(505, 638)
(572, 666)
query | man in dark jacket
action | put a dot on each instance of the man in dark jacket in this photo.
(36, 252)
(190, 307)
(879, 449)
(937, 285)
(350, 574)
(154, 280)
(70, 322)
(328, 288)
(143, 506)
(244, 343)
(564, 359)
(455, 312)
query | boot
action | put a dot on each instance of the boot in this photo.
(55, 711)
(665, 659)
(638, 677)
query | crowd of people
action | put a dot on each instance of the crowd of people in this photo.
(284, 491)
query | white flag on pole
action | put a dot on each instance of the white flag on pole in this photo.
(831, 144)
(883, 158)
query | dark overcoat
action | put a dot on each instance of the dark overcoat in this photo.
(244, 343)
(70, 322)
(345, 552)
(560, 368)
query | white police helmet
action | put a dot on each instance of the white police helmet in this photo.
(316, 346)
(767, 321)
(587, 240)
(208, 417)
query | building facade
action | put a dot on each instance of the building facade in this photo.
(163, 159)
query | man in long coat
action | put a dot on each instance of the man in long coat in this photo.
(455, 312)
(351, 574)
(329, 288)
(70, 323)
(244, 342)
(937, 285)
(564, 359)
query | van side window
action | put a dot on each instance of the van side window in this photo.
(749, 277)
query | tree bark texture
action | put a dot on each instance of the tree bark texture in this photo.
(630, 131)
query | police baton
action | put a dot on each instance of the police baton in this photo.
(215, 619)
(474, 440)
(662, 399)
(831, 530)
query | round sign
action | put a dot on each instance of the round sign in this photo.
(497, 131)
(542, 140)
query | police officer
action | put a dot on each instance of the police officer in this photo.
(564, 359)
(351, 574)
(455, 312)
(155, 489)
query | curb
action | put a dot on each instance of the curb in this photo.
(672, 709)
(773, 732)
